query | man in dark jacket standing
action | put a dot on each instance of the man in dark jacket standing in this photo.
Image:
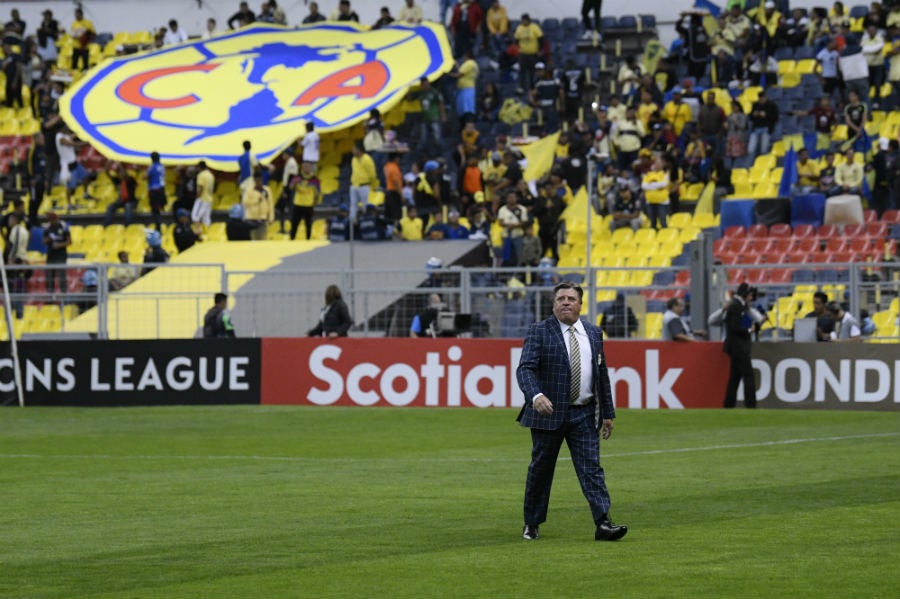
(217, 322)
(738, 322)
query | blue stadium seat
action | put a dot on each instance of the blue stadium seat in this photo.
(627, 22)
(570, 26)
(656, 306)
(859, 11)
(664, 277)
(550, 24)
(608, 23)
(786, 53)
(648, 21)
(808, 209)
(804, 276)
(573, 277)
(804, 52)
(737, 212)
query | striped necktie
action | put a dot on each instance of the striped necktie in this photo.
(574, 366)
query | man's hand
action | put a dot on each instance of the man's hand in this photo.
(607, 428)
(542, 405)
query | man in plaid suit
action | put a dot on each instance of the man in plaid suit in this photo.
(563, 375)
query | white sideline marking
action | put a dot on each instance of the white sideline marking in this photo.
(322, 459)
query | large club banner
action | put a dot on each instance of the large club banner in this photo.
(135, 373)
(201, 99)
(644, 375)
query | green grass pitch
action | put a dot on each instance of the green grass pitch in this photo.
(263, 502)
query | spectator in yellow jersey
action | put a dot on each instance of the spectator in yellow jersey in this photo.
(646, 109)
(307, 193)
(656, 195)
(528, 36)
(362, 179)
(497, 27)
(466, 76)
(410, 226)
(807, 173)
(259, 210)
(201, 213)
(83, 33)
(677, 112)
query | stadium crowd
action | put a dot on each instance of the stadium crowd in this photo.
(730, 90)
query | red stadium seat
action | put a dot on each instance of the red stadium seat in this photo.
(777, 257)
(783, 244)
(840, 257)
(826, 231)
(853, 230)
(758, 231)
(757, 276)
(735, 232)
(780, 230)
(859, 244)
(730, 258)
(870, 216)
(683, 278)
(741, 246)
(801, 231)
(736, 276)
(721, 245)
(781, 275)
(891, 216)
(877, 229)
(806, 245)
(766, 246)
(836, 244)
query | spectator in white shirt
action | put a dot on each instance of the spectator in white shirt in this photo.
(310, 145)
(174, 35)
(210, 28)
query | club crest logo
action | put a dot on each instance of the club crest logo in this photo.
(202, 99)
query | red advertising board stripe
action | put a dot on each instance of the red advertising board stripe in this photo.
(474, 373)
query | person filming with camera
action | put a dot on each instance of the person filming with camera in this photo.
(740, 319)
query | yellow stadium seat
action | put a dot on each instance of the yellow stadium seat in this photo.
(790, 79)
(765, 161)
(742, 190)
(637, 260)
(641, 278)
(625, 248)
(679, 220)
(692, 193)
(671, 248)
(623, 234)
(666, 235)
(659, 261)
(740, 175)
(786, 66)
(765, 190)
(705, 220)
(94, 232)
(606, 295)
(642, 236)
(689, 234)
(894, 306)
(617, 278)
(839, 133)
(653, 325)
(613, 261)
(806, 66)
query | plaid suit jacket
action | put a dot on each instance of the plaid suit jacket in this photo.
(544, 368)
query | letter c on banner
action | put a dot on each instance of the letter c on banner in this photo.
(132, 89)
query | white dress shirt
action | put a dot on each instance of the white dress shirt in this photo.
(585, 394)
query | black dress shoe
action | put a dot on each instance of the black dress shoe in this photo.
(607, 531)
(530, 533)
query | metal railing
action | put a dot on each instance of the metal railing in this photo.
(501, 302)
